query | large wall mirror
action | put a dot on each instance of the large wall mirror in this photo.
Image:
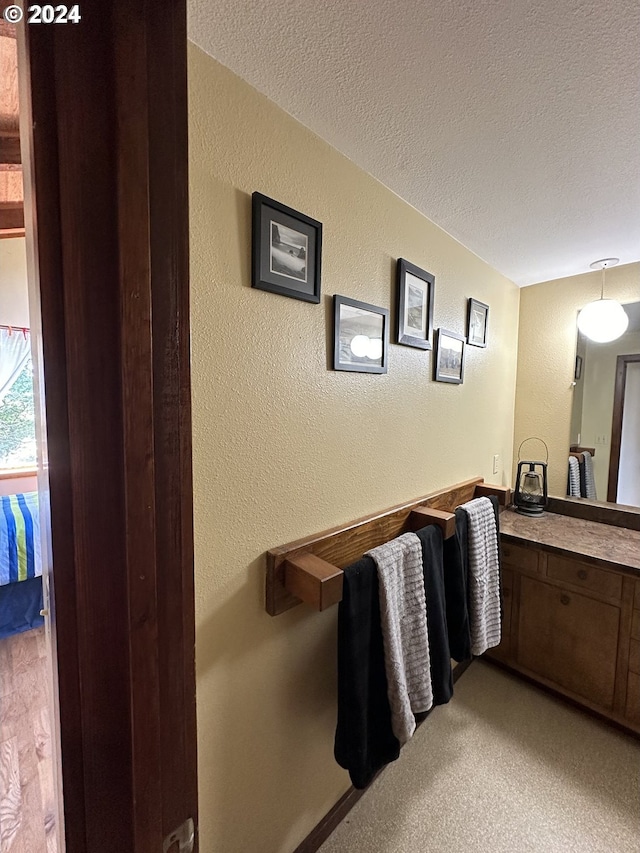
(606, 416)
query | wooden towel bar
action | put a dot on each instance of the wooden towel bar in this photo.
(576, 450)
(310, 569)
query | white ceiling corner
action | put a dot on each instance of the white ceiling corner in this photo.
(512, 125)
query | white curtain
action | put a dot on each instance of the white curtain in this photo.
(15, 349)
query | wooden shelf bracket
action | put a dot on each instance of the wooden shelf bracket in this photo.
(313, 580)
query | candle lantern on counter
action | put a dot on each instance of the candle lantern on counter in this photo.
(531, 484)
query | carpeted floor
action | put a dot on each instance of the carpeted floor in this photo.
(504, 768)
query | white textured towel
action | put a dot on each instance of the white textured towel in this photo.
(589, 479)
(484, 576)
(403, 617)
(574, 477)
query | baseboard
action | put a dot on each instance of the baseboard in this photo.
(319, 834)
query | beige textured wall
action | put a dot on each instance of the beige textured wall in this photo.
(578, 394)
(284, 447)
(546, 357)
(14, 300)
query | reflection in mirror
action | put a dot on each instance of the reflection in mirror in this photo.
(605, 422)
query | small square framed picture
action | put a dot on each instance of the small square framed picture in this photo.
(286, 250)
(360, 336)
(415, 293)
(449, 357)
(477, 323)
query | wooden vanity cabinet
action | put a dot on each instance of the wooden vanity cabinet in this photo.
(633, 682)
(573, 626)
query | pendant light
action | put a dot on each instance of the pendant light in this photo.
(604, 319)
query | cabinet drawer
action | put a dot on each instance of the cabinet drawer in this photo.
(634, 656)
(635, 625)
(570, 639)
(525, 559)
(584, 576)
(633, 697)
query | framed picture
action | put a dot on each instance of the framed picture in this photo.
(415, 292)
(578, 369)
(286, 250)
(360, 336)
(477, 323)
(449, 357)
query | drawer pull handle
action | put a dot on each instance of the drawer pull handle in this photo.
(582, 575)
(564, 599)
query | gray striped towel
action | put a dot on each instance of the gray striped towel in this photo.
(403, 617)
(574, 477)
(484, 576)
(589, 479)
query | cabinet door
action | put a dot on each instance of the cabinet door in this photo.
(633, 698)
(503, 651)
(569, 639)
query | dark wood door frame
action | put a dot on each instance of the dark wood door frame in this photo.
(106, 119)
(616, 424)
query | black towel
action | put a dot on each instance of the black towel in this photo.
(364, 738)
(455, 586)
(583, 477)
(434, 587)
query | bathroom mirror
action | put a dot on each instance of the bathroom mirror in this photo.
(606, 411)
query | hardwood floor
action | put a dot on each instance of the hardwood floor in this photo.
(27, 794)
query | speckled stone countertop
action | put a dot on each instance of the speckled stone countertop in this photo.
(616, 546)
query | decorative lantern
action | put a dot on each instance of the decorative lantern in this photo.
(531, 485)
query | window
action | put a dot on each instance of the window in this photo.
(17, 419)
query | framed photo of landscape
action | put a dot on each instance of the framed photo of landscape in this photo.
(478, 316)
(414, 303)
(286, 250)
(360, 336)
(449, 358)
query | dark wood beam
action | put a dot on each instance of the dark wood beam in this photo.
(11, 215)
(10, 150)
(7, 30)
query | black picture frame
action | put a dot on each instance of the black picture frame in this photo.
(577, 373)
(477, 322)
(350, 321)
(449, 368)
(286, 250)
(417, 286)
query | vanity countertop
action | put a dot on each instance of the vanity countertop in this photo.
(575, 537)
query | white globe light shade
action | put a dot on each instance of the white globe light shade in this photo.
(603, 320)
(359, 345)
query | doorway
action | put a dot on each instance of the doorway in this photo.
(624, 466)
(104, 150)
(30, 802)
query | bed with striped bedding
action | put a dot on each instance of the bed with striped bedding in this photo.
(20, 564)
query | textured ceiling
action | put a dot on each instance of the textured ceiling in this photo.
(512, 124)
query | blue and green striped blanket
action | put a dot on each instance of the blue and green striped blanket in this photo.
(19, 538)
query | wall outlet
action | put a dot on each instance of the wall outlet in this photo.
(496, 463)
